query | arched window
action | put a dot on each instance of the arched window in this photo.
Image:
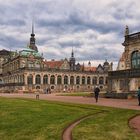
(101, 80)
(59, 80)
(38, 79)
(88, 80)
(65, 80)
(72, 80)
(78, 80)
(94, 81)
(52, 79)
(135, 59)
(45, 79)
(83, 80)
(30, 79)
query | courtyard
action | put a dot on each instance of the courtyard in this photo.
(24, 117)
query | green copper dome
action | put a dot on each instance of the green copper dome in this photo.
(28, 52)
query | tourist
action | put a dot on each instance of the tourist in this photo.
(139, 95)
(96, 92)
(46, 90)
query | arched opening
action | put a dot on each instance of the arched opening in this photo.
(88, 80)
(37, 87)
(78, 80)
(83, 80)
(30, 79)
(72, 80)
(135, 59)
(45, 79)
(59, 80)
(38, 79)
(94, 81)
(65, 80)
(52, 79)
(101, 80)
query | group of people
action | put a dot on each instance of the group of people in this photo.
(47, 91)
(97, 91)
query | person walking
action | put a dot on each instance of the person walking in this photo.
(96, 92)
(139, 96)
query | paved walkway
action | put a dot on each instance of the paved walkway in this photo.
(119, 103)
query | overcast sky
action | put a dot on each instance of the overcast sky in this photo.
(94, 28)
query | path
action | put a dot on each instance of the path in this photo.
(119, 103)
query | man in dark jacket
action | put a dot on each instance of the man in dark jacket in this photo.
(139, 95)
(96, 91)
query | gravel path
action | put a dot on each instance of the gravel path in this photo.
(118, 103)
(67, 133)
(134, 123)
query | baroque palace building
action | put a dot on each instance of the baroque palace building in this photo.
(126, 79)
(28, 71)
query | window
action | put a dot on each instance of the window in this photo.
(37, 65)
(38, 79)
(83, 80)
(31, 64)
(72, 80)
(45, 79)
(94, 81)
(101, 80)
(59, 80)
(65, 80)
(135, 59)
(78, 80)
(52, 79)
(88, 80)
(30, 80)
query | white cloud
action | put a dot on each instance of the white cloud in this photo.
(93, 27)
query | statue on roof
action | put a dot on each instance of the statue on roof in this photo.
(126, 31)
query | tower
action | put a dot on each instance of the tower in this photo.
(32, 40)
(89, 64)
(72, 61)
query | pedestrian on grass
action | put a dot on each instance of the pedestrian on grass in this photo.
(96, 92)
(139, 95)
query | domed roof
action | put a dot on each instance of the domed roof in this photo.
(28, 51)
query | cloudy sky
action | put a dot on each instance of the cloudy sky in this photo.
(94, 28)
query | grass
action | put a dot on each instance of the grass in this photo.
(26, 119)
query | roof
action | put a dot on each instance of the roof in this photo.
(54, 64)
(89, 68)
(28, 51)
(4, 52)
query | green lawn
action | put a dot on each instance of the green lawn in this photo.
(26, 119)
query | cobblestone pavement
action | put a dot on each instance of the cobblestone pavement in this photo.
(119, 103)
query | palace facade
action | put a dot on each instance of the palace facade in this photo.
(126, 79)
(28, 71)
